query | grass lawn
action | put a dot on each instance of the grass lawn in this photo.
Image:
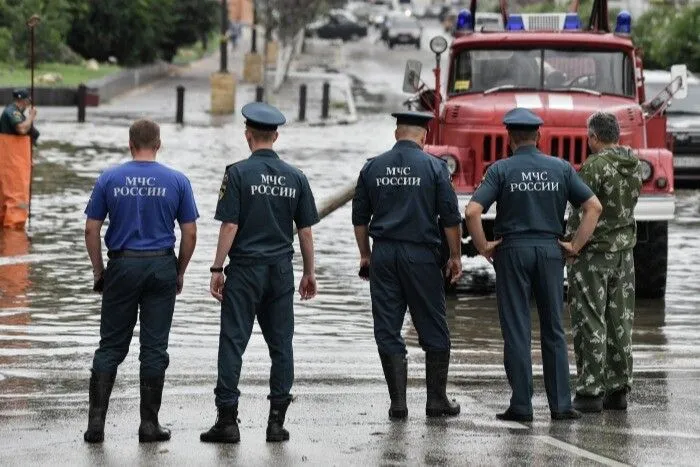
(73, 75)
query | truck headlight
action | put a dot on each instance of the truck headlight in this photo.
(647, 170)
(451, 162)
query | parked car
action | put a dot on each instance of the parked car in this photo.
(485, 21)
(683, 122)
(378, 14)
(436, 10)
(403, 30)
(361, 10)
(338, 24)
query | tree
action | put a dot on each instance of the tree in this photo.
(50, 34)
(191, 21)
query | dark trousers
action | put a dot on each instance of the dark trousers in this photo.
(521, 270)
(132, 283)
(265, 291)
(407, 275)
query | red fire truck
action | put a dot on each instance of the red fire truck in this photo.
(563, 71)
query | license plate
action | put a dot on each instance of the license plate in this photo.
(404, 38)
(686, 161)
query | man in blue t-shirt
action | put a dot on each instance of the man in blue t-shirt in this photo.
(143, 199)
(531, 190)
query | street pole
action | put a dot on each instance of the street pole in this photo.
(31, 24)
(224, 37)
(254, 31)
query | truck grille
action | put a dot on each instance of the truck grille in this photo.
(495, 147)
(571, 148)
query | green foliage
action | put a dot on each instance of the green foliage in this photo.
(190, 21)
(50, 34)
(668, 36)
(72, 75)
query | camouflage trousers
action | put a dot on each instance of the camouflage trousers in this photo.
(601, 303)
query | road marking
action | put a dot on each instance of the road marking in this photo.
(578, 451)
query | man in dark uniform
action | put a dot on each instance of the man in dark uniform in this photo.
(398, 199)
(531, 190)
(260, 199)
(13, 120)
(143, 200)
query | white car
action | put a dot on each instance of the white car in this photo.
(403, 30)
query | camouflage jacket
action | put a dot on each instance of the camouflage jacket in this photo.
(615, 176)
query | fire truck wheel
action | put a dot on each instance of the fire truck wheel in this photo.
(650, 260)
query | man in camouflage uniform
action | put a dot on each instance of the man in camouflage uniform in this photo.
(601, 277)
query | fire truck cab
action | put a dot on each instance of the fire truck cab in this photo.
(550, 64)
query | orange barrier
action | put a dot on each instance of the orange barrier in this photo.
(14, 275)
(15, 177)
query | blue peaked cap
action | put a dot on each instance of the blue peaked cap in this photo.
(413, 118)
(523, 118)
(20, 93)
(262, 116)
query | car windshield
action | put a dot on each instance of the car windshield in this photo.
(689, 105)
(593, 71)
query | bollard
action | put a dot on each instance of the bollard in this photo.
(302, 102)
(180, 111)
(326, 100)
(82, 98)
(259, 92)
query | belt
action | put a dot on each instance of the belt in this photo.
(112, 254)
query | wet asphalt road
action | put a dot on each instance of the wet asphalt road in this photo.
(49, 326)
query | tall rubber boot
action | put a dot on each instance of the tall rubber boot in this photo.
(151, 395)
(100, 389)
(275, 422)
(225, 430)
(396, 373)
(436, 366)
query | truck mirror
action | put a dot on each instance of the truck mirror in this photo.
(411, 77)
(680, 72)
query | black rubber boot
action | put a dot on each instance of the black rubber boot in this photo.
(436, 367)
(396, 373)
(100, 389)
(588, 404)
(616, 400)
(151, 395)
(571, 414)
(275, 422)
(512, 416)
(225, 430)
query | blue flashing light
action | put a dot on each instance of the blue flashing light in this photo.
(624, 23)
(515, 23)
(572, 21)
(465, 22)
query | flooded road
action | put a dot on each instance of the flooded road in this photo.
(49, 318)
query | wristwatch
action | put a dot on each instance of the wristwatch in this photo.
(213, 269)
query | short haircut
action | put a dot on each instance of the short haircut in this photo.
(144, 134)
(605, 127)
(262, 136)
(522, 136)
(410, 131)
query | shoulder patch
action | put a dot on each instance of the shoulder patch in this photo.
(17, 114)
(224, 182)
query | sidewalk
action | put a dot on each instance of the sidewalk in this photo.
(158, 99)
